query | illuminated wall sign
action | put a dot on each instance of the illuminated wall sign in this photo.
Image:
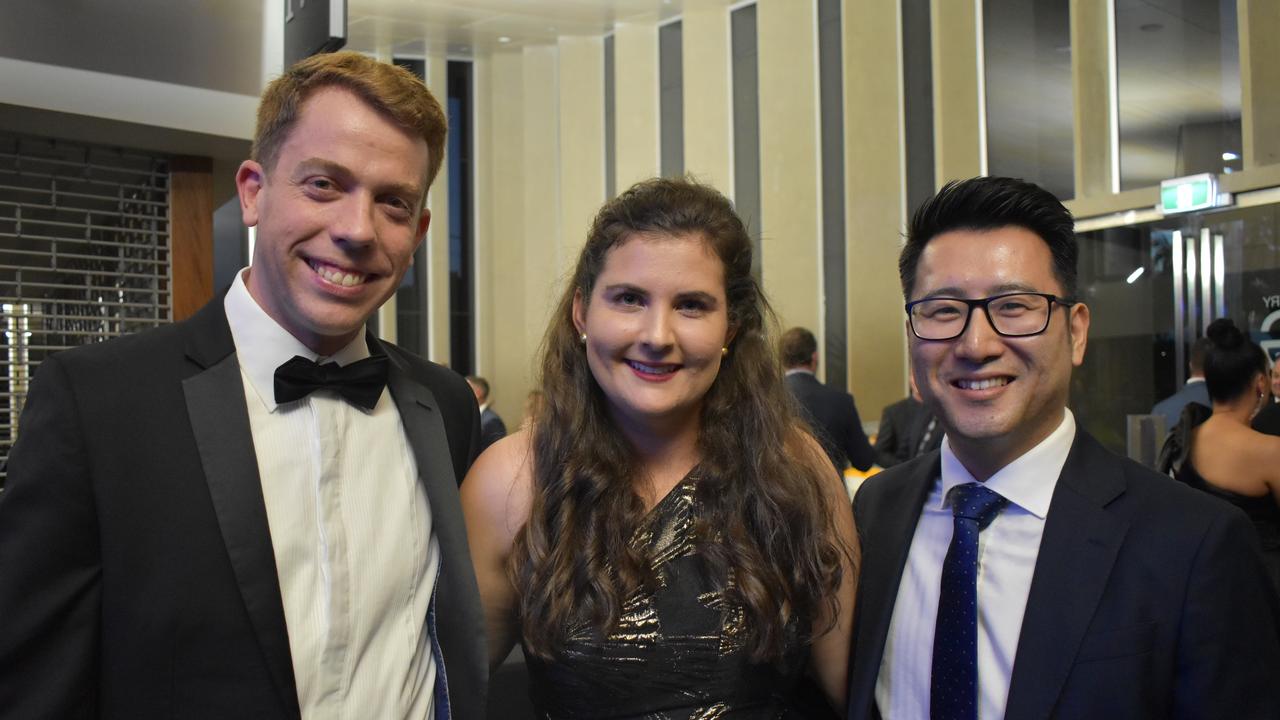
(1186, 194)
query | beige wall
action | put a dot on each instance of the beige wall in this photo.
(789, 169)
(708, 99)
(581, 108)
(1260, 81)
(875, 203)
(501, 243)
(541, 212)
(540, 180)
(959, 132)
(1097, 169)
(635, 82)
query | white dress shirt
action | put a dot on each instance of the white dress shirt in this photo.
(350, 528)
(1007, 551)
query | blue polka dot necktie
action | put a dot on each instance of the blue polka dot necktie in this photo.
(953, 692)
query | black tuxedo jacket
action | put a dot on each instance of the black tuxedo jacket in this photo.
(834, 418)
(137, 577)
(1147, 601)
(1268, 419)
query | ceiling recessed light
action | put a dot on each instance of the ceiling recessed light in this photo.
(504, 39)
(1229, 156)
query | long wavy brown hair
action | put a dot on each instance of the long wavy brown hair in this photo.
(765, 524)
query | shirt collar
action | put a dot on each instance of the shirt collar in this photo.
(484, 407)
(798, 370)
(262, 345)
(1028, 481)
(1194, 380)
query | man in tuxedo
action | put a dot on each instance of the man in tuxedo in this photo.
(254, 513)
(1022, 570)
(831, 412)
(1194, 391)
(492, 429)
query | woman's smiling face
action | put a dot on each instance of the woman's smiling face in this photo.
(656, 323)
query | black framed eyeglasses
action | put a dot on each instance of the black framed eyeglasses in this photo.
(1011, 314)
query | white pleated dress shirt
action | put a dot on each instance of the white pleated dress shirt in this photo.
(350, 528)
(1007, 552)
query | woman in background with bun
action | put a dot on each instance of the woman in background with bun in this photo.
(1221, 454)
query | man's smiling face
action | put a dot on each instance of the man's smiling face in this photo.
(996, 396)
(338, 218)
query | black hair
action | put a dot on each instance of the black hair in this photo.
(1199, 349)
(990, 203)
(1232, 362)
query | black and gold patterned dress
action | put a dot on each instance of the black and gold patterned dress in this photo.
(677, 653)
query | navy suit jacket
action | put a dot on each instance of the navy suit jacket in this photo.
(492, 429)
(834, 419)
(137, 576)
(1148, 598)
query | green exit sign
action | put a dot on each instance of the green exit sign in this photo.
(1185, 194)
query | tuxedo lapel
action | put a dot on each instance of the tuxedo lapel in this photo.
(220, 421)
(887, 524)
(424, 426)
(1078, 549)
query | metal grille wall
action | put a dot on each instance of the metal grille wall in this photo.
(84, 255)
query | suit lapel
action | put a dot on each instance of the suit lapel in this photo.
(220, 422)
(1078, 549)
(887, 526)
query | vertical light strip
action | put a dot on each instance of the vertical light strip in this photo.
(1207, 272)
(479, 230)
(1113, 102)
(980, 57)
(1219, 276)
(1193, 305)
(1179, 309)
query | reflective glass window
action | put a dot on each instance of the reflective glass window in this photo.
(1178, 79)
(1027, 54)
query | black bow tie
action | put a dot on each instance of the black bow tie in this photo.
(361, 382)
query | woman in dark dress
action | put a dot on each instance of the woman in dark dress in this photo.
(1218, 452)
(665, 541)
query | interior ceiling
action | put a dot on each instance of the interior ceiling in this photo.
(468, 27)
(1178, 59)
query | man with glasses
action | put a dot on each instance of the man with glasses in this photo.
(1022, 570)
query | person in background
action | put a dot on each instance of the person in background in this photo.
(1194, 391)
(1023, 570)
(832, 413)
(254, 513)
(492, 429)
(1221, 454)
(1268, 418)
(907, 429)
(666, 540)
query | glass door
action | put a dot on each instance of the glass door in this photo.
(1153, 288)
